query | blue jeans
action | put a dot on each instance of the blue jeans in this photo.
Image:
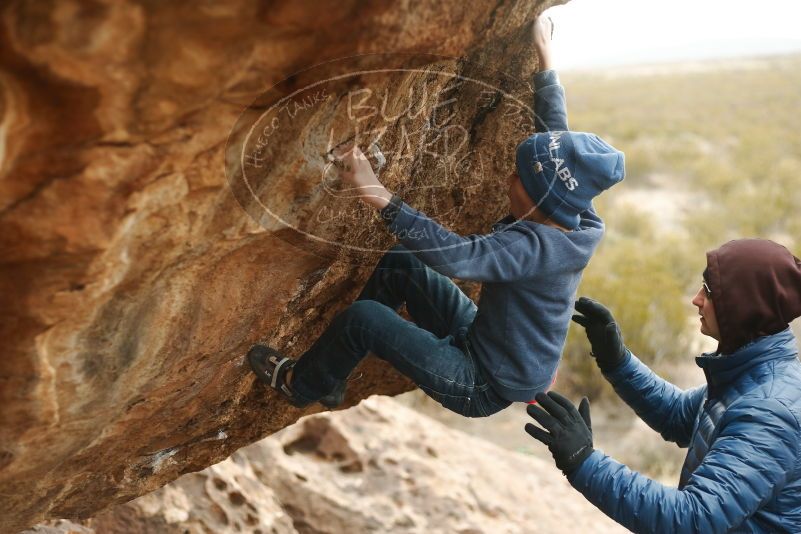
(433, 351)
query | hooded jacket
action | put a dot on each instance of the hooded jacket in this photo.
(742, 472)
(529, 274)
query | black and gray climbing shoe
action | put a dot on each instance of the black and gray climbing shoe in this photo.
(271, 368)
(336, 397)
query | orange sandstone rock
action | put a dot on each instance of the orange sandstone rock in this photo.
(134, 273)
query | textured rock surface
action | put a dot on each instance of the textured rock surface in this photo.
(131, 281)
(379, 467)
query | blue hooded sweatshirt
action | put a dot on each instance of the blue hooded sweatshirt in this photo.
(530, 273)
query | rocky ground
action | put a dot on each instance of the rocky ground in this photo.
(378, 467)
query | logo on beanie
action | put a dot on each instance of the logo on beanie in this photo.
(561, 169)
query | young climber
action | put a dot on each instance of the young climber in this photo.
(474, 360)
(742, 428)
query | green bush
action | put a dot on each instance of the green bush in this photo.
(727, 141)
(643, 278)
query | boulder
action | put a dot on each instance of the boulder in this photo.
(138, 259)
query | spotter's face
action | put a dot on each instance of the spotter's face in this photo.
(706, 309)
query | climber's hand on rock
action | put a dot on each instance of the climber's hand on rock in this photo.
(355, 170)
(541, 33)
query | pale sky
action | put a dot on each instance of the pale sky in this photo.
(600, 33)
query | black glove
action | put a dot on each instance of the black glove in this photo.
(603, 333)
(569, 431)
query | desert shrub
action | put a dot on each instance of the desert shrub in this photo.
(727, 139)
(642, 275)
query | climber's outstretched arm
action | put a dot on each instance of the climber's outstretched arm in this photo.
(541, 33)
(550, 107)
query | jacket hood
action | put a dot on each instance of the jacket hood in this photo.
(756, 290)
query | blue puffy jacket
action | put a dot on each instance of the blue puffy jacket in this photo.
(743, 466)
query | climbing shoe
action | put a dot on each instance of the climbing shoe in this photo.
(336, 397)
(271, 368)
